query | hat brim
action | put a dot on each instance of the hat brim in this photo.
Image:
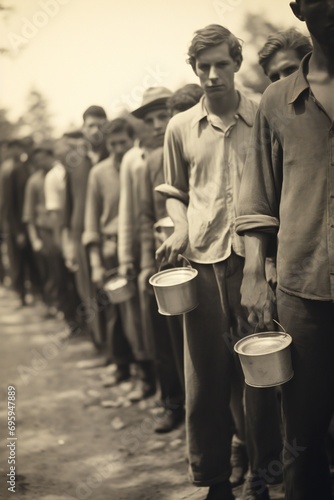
(151, 106)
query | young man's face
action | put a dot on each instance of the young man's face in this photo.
(118, 144)
(215, 69)
(319, 18)
(92, 130)
(156, 122)
(282, 64)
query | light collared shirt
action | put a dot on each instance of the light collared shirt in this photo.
(101, 214)
(133, 172)
(288, 186)
(203, 164)
(55, 188)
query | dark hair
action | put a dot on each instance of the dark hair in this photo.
(284, 40)
(186, 97)
(211, 36)
(119, 125)
(95, 111)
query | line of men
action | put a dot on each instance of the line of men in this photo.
(104, 201)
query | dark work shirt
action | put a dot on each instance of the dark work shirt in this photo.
(75, 197)
(288, 186)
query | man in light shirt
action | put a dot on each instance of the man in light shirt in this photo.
(204, 154)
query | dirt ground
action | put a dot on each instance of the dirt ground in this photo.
(68, 446)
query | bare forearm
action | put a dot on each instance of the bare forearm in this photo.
(177, 211)
(255, 251)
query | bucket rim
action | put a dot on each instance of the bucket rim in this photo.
(263, 334)
(276, 384)
(192, 274)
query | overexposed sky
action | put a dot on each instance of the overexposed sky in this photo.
(83, 52)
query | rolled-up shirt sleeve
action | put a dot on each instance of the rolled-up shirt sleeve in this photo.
(261, 183)
(175, 166)
(91, 232)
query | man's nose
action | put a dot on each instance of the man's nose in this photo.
(213, 73)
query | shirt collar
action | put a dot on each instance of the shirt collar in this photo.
(245, 111)
(300, 80)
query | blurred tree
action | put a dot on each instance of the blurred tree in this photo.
(37, 117)
(257, 29)
(8, 129)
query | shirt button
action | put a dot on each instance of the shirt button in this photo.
(332, 226)
(332, 195)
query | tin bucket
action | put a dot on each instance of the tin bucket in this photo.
(165, 226)
(119, 288)
(265, 358)
(175, 290)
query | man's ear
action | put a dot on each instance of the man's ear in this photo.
(295, 7)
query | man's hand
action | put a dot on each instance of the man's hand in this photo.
(37, 245)
(98, 274)
(259, 299)
(175, 245)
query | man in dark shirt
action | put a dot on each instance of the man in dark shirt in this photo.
(288, 188)
(78, 167)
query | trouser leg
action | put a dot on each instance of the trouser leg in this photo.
(90, 308)
(308, 399)
(208, 368)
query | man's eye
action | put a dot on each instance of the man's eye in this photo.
(274, 77)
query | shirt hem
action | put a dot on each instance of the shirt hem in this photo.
(302, 295)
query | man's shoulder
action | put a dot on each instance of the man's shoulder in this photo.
(133, 160)
(101, 167)
(185, 118)
(279, 93)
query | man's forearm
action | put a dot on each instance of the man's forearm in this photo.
(177, 211)
(255, 252)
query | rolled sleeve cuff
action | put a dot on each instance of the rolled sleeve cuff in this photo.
(90, 237)
(173, 192)
(259, 223)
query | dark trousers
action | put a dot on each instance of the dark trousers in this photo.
(57, 283)
(90, 308)
(308, 399)
(168, 349)
(125, 336)
(210, 366)
(22, 266)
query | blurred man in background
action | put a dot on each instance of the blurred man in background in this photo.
(281, 54)
(122, 320)
(79, 166)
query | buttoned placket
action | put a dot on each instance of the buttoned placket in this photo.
(330, 196)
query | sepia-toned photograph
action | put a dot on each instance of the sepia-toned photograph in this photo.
(167, 250)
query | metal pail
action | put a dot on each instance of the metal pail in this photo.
(119, 288)
(265, 358)
(175, 290)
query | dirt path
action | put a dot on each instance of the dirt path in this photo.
(68, 447)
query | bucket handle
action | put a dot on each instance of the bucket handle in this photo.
(180, 255)
(277, 323)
